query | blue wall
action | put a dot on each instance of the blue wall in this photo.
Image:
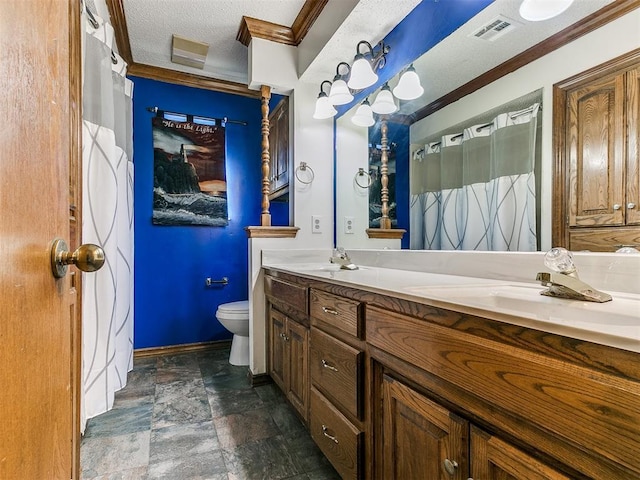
(172, 304)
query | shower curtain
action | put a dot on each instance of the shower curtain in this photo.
(475, 190)
(107, 219)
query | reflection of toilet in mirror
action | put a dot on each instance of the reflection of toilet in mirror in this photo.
(234, 317)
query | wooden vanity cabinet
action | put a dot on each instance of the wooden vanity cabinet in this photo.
(336, 365)
(288, 345)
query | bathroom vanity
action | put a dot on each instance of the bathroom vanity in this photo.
(404, 375)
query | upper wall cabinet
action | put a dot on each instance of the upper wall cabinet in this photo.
(279, 150)
(598, 149)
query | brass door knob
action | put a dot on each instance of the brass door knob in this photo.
(87, 257)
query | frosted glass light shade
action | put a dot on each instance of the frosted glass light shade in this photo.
(324, 109)
(408, 87)
(384, 102)
(364, 115)
(362, 76)
(538, 10)
(339, 93)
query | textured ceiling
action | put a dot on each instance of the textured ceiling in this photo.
(151, 24)
(450, 64)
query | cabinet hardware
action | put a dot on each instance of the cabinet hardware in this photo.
(329, 310)
(285, 337)
(616, 206)
(325, 432)
(450, 466)
(325, 364)
(631, 205)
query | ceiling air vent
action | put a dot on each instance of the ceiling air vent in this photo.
(188, 52)
(495, 28)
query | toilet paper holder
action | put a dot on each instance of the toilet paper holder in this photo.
(209, 282)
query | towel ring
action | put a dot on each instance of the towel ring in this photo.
(361, 173)
(304, 167)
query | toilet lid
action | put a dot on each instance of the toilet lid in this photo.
(234, 307)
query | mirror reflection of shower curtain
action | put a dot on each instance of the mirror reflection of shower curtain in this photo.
(475, 190)
(107, 220)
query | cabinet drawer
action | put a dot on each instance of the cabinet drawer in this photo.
(339, 312)
(338, 439)
(285, 292)
(336, 369)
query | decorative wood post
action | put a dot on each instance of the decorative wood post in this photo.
(385, 221)
(265, 218)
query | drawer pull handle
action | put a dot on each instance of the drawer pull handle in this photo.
(450, 466)
(329, 310)
(325, 432)
(325, 364)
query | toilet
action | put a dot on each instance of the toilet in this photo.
(234, 317)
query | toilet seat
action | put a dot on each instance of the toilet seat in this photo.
(233, 310)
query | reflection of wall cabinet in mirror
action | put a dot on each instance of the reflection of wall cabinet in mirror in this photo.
(279, 150)
(601, 167)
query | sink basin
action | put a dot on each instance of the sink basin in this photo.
(525, 300)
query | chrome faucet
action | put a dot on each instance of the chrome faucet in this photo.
(564, 281)
(341, 258)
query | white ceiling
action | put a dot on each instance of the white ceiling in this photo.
(455, 61)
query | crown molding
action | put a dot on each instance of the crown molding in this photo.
(255, 28)
(190, 80)
(119, 23)
(588, 24)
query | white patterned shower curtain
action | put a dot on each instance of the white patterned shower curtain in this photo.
(107, 219)
(475, 190)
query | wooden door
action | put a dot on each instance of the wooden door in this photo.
(421, 438)
(298, 392)
(633, 146)
(595, 139)
(494, 459)
(277, 350)
(39, 81)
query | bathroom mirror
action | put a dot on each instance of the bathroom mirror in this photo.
(466, 58)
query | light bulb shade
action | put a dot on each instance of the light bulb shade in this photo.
(384, 102)
(538, 10)
(339, 93)
(408, 87)
(324, 109)
(362, 76)
(364, 115)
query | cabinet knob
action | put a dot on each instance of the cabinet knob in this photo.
(631, 205)
(616, 206)
(284, 336)
(450, 466)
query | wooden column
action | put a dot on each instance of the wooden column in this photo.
(385, 221)
(265, 217)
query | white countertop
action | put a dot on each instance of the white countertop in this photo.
(615, 323)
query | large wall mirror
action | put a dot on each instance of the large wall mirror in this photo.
(519, 86)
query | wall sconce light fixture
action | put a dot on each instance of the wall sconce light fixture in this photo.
(340, 93)
(363, 70)
(324, 109)
(538, 10)
(364, 115)
(408, 87)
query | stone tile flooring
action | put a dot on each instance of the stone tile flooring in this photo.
(195, 416)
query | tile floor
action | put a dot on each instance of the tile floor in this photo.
(194, 416)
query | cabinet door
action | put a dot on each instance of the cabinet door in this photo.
(298, 390)
(633, 147)
(421, 438)
(494, 459)
(279, 146)
(595, 142)
(278, 351)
